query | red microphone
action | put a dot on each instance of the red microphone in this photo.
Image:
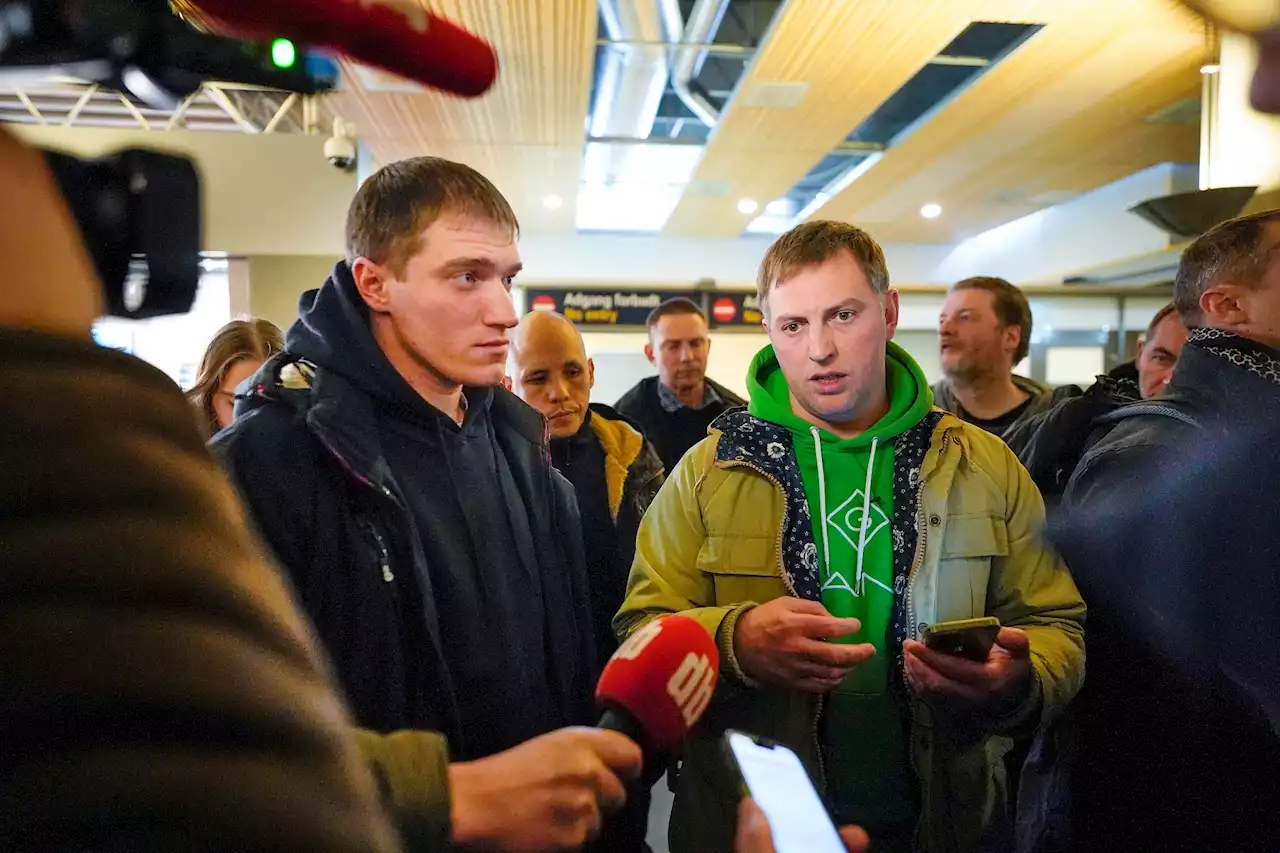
(397, 35)
(659, 682)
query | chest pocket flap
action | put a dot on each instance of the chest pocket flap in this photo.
(975, 536)
(969, 545)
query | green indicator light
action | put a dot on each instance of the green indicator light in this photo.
(283, 53)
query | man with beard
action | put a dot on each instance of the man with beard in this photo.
(983, 332)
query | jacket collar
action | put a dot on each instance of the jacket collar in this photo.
(342, 416)
(622, 444)
(1214, 386)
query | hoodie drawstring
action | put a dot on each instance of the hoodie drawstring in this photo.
(859, 584)
(859, 579)
(822, 499)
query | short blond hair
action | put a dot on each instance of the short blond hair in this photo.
(813, 243)
(399, 201)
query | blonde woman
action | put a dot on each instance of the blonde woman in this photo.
(235, 353)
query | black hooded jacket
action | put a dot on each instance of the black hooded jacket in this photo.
(441, 563)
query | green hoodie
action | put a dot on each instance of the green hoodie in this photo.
(870, 776)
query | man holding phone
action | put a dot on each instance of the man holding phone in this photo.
(818, 534)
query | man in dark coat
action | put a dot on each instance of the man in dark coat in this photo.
(1170, 747)
(675, 407)
(407, 494)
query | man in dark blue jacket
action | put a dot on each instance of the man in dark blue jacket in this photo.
(410, 497)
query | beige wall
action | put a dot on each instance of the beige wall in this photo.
(276, 282)
(263, 194)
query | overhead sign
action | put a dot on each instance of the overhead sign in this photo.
(600, 307)
(735, 309)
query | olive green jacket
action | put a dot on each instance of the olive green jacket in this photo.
(711, 546)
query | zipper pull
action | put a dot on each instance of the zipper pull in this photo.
(386, 573)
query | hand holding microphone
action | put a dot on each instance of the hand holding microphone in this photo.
(552, 792)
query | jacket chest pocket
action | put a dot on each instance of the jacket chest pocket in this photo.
(969, 545)
(742, 567)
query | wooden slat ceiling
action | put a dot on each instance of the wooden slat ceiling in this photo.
(1064, 112)
(526, 133)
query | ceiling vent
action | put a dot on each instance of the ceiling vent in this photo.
(1188, 215)
(775, 96)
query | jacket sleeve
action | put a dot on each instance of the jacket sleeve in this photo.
(1031, 589)
(159, 686)
(665, 577)
(412, 772)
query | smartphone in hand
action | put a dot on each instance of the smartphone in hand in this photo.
(968, 638)
(774, 777)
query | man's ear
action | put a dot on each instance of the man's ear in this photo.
(648, 353)
(1012, 337)
(1142, 344)
(371, 283)
(591, 373)
(1222, 306)
(892, 310)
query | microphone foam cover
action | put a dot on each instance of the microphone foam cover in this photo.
(664, 676)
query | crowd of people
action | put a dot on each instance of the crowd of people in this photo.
(355, 591)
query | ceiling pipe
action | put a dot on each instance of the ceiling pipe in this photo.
(634, 70)
(704, 20)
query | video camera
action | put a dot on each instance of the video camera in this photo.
(139, 210)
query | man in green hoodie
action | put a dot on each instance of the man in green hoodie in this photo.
(817, 534)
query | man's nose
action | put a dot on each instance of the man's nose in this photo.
(820, 344)
(556, 390)
(500, 310)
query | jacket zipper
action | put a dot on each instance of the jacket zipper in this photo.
(384, 555)
(787, 582)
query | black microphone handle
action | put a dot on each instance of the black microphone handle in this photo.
(622, 721)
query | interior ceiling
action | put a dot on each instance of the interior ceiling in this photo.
(1066, 112)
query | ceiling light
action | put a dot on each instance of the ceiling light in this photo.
(778, 207)
(1210, 68)
(931, 211)
(552, 202)
(747, 205)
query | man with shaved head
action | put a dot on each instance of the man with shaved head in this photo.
(615, 471)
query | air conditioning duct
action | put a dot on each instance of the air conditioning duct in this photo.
(634, 73)
(1186, 216)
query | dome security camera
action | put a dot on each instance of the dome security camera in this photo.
(340, 149)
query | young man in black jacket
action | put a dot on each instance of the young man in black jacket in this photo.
(409, 497)
(675, 407)
(1171, 749)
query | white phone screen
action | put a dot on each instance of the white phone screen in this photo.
(781, 787)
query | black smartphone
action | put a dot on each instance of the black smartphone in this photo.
(774, 777)
(968, 638)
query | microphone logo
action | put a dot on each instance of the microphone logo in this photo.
(692, 685)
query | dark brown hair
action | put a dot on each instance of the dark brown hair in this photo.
(813, 243)
(1229, 251)
(234, 342)
(673, 307)
(1160, 315)
(1010, 306)
(399, 201)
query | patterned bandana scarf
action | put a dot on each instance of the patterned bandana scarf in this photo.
(1250, 355)
(909, 452)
